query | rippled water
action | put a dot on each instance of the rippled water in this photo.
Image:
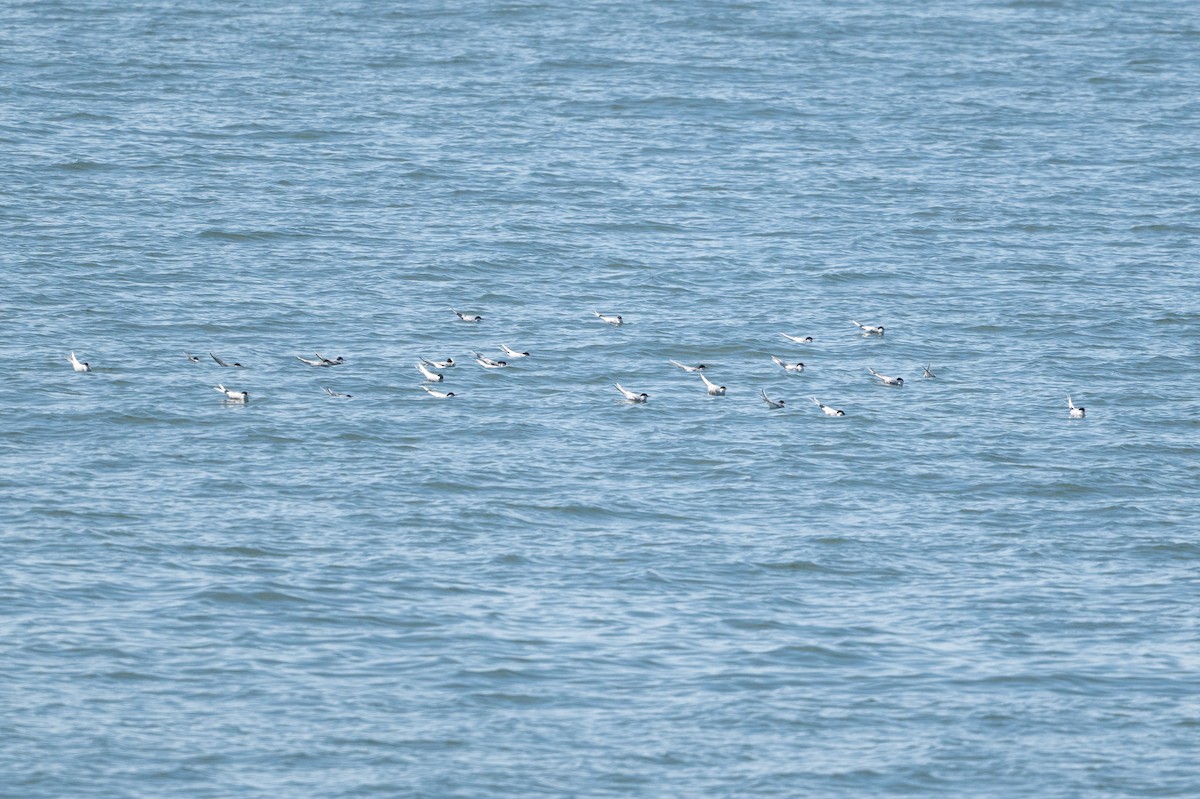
(534, 588)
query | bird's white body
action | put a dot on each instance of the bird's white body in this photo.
(192, 358)
(226, 365)
(311, 362)
(446, 364)
(631, 396)
(825, 409)
(468, 317)
(713, 389)
(338, 361)
(333, 393)
(231, 395)
(1074, 413)
(78, 365)
(797, 367)
(612, 319)
(887, 381)
(869, 330)
(697, 368)
(432, 377)
(510, 352)
(488, 363)
(798, 339)
(771, 403)
(439, 394)
(928, 372)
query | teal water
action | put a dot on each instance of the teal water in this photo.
(533, 588)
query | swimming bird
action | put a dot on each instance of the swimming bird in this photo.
(1074, 413)
(770, 402)
(446, 364)
(612, 319)
(226, 365)
(311, 362)
(333, 393)
(78, 365)
(796, 367)
(192, 358)
(697, 368)
(338, 361)
(433, 377)
(231, 395)
(887, 381)
(825, 409)
(468, 317)
(488, 363)
(869, 330)
(631, 396)
(928, 373)
(713, 389)
(510, 352)
(798, 339)
(439, 394)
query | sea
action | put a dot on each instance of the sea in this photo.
(536, 588)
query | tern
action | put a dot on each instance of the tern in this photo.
(713, 389)
(468, 317)
(869, 330)
(788, 367)
(432, 377)
(78, 365)
(312, 362)
(226, 365)
(231, 395)
(192, 358)
(770, 402)
(510, 352)
(1074, 413)
(338, 361)
(446, 364)
(433, 392)
(333, 393)
(631, 396)
(887, 381)
(928, 372)
(488, 363)
(612, 319)
(697, 368)
(798, 339)
(825, 409)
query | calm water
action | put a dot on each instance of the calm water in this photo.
(533, 588)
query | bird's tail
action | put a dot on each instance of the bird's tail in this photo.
(220, 387)
(816, 401)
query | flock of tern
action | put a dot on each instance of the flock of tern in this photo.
(427, 366)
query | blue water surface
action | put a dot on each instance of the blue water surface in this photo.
(535, 588)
